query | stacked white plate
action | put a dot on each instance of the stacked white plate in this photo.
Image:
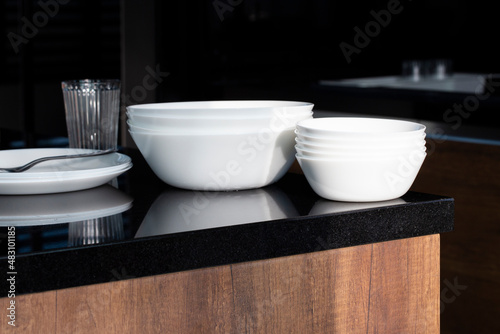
(59, 175)
(360, 159)
(217, 145)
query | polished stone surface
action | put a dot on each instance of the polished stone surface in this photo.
(139, 226)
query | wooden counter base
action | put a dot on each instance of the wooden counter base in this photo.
(388, 287)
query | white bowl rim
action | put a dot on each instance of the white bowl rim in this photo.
(321, 122)
(189, 134)
(313, 138)
(422, 148)
(220, 130)
(370, 159)
(332, 146)
(222, 105)
(239, 117)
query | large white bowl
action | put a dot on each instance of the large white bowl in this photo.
(361, 141)
(359, 127)
(361, 180)
(218, 161)
(221, 109)
(327, 154)
(214, 125)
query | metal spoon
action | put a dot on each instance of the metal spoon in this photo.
(32, 163)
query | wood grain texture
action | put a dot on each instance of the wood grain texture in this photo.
(389, 287)
(470, 260)
(30, 314)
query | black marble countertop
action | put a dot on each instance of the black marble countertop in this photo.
(151, 228)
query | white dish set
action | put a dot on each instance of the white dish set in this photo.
(360, 159)
(236, 145)
(240, 145)
(218, 145)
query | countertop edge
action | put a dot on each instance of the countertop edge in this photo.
(249, 242)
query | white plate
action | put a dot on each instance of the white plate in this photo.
(104, 163)
(59, 175)
(30, 210)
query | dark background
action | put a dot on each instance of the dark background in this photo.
(223, 50)
(248, 49)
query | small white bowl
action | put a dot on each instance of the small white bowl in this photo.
(213, 125)
(328, 154)
(219, 162)
(359, 127)
(360, 180)
(217, 109)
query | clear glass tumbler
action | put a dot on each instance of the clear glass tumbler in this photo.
(92, 113)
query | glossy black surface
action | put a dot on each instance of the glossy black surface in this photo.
(153, 228)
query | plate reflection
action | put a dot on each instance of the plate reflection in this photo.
(94, 215)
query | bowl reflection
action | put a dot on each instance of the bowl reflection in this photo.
(178, 210)
(323, 206)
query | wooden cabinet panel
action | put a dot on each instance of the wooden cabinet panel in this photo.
(388, 287)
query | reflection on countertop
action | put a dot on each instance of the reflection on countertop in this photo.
(32, 210)
(92, 216)
(176, 210)
(323, 206)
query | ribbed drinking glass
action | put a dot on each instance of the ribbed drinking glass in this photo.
(92, 113)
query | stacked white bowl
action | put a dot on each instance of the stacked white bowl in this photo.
(356, 159)
(217, 145)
